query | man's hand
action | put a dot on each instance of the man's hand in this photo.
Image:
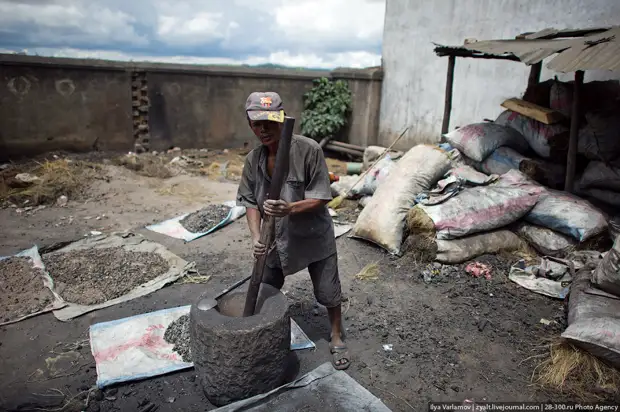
(277, 208)
(258, 249)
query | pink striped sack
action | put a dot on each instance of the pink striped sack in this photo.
(481, 209)
(477, 141)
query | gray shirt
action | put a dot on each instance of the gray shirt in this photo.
(300, 239)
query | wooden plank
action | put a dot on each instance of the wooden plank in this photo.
(571, 157)
(339, 149)
(533, 111)
(347, 145)
(447, 108)
(443, 51)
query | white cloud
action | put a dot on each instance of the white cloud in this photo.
(327, 61)
(315, 33)
(314, 22)
(200, 29)
(70, 23)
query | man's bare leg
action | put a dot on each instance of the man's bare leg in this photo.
(337, 345)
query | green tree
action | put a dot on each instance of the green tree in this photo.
(326, 108)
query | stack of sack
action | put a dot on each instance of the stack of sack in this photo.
(493, 186)
(486, 218)
(503, 145)
(594, 308)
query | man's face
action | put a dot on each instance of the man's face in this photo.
(267, 131)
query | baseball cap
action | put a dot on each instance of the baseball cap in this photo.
(265, 106)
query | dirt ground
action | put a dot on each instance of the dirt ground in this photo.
(453, 338)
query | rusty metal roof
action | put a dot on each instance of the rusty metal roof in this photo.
(597, 48)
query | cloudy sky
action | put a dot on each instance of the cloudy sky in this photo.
(300, 33)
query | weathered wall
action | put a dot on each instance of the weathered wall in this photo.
(44, 108)
(71, 104)
(414, 77)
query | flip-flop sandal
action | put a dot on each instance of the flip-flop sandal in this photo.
(340, 357)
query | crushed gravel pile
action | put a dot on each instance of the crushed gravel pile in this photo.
(21, 289)
(177, 334)
(205, 218)
(93, 276)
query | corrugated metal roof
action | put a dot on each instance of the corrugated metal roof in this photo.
(591, 52)
(596, 52)
(552, 33)
(528, 51)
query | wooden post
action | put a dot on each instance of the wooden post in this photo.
(535, 72)
(571, 157)
(267, 229)
(447, 109)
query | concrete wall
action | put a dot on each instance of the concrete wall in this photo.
(79, 105)
(45, 108)
(414, 77)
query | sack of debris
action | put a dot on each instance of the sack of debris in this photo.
(593, 320)
(546, 241)
(467, 248)
(547, 140)
(377, 174)
(560, 211)
(473, 210)
(600, 175)
(471, 176)
(608, 197)
(352, 186)
(372, 153)
(456, 179)
(382, 220)
(477, 141)
(545, 172)
(607, 274)
(598, 139)
(505, 159)
(561, 98)
(501, 161)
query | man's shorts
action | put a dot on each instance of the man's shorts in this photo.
(325, 280)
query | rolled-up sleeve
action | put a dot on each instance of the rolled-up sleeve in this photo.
(245, 192)
(317, 176)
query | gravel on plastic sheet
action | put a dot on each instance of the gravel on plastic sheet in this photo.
(96, 275)
(177, 334)
(22, 290)
(205, 218)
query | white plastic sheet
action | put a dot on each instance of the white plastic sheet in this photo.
(173, 228)
(525, 277)
(134, 348)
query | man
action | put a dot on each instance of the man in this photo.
(304, 231)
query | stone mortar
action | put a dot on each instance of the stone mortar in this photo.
(236, 357)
